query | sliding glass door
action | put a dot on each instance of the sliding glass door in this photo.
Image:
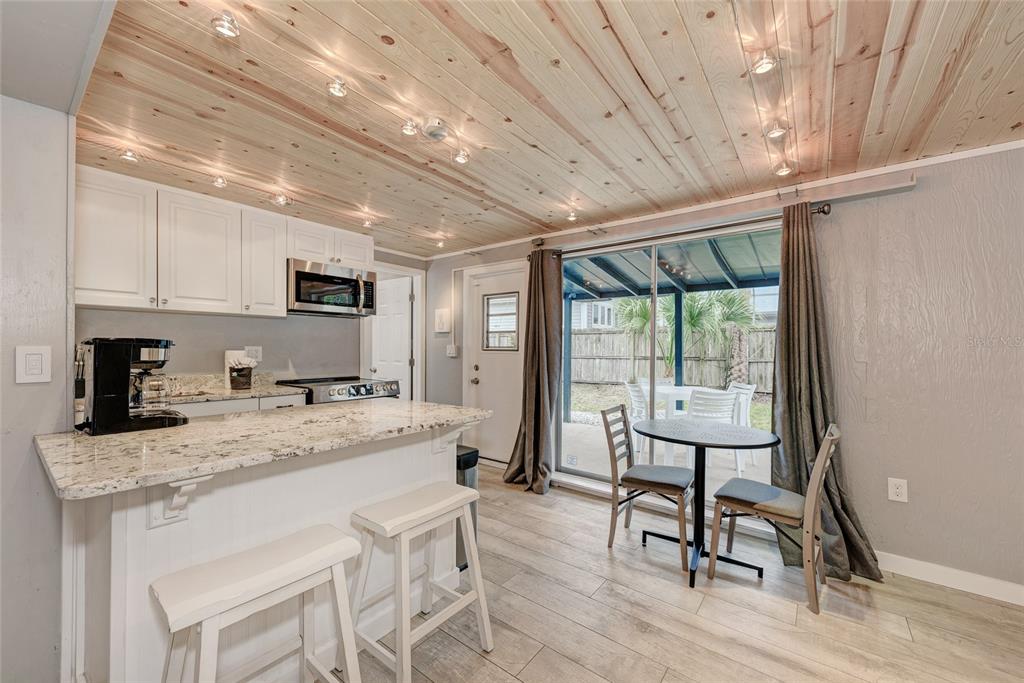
(649, 326)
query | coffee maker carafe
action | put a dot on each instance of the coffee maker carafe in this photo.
(123, 391)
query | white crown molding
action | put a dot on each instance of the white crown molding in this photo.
(743, 199)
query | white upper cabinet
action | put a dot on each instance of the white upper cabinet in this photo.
(353, 249)
(324, 244)
(115, 241)
(199, 246)
(264, 256)
(310, 241)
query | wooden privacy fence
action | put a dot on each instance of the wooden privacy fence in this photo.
(603, 357)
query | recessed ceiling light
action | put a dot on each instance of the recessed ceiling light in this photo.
(336, 87)
(410, 128)
(224, 25)
(764, 63)
(367, 223)
(129, 155)
(462, 156)
(440, 244)
(220, 182)
(572, 215)
(776, 131)
(282, 199)
(435, 129)
(783, 169)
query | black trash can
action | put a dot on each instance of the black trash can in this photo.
(466, 458)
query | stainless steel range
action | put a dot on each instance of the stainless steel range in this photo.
(329, 389)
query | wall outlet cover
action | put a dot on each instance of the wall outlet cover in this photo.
(452, 350)
(254, 352)
(898, 490)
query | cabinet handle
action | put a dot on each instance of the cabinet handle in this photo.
(163, 301)
(152, 299)
(247, 307)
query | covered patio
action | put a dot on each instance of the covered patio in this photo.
(738, 261)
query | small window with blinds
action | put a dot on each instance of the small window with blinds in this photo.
(501, 322)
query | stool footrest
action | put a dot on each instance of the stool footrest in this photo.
(427, 627)
(374, 598)
(385, 656)
(264, 661)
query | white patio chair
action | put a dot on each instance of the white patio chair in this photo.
(719, 406)
(746, 398)
(638, 410)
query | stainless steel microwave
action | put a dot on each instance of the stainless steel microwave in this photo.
(325, 289)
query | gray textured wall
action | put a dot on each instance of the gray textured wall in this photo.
(925, 300)
(33, 311)
(305, 346)
(925, 296)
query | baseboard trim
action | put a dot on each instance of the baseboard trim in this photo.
(986, 586)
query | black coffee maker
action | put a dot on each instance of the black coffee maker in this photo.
(122, 391)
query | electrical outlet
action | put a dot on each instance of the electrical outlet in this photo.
(898, 490)
(254, 352)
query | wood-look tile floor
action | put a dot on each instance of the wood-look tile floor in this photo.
(564, 608)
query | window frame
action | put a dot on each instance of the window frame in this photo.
(486, 320)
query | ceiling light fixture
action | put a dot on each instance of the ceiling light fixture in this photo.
(764, 63)
(783, 169)
(282, 199)
(440, 244)
(410, 128)
(220, 182)
(129, 155)
(336, 87)
(367, 223)
(225, 26)
(572, 215)
(776, 132)
(435, 129)
(462, 156)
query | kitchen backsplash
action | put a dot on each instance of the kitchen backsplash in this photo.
(296, 346)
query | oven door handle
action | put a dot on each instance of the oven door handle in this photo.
(362, 293)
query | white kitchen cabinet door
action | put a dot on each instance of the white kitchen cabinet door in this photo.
(264, 263)
(352, 249)
(310, 241)
(200, 252)
(115, 240)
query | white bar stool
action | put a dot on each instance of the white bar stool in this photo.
(208, 597)
(403, 518)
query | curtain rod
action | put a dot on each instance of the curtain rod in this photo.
(823, 209)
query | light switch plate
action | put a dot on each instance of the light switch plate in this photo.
(442, 320)
(31, 364)
(254, 352)
(452, 350)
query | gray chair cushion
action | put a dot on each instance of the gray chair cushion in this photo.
(761, 497)
(662, 477)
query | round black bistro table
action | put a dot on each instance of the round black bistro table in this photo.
(702, 435)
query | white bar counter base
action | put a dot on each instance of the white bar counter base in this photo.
(140, 505)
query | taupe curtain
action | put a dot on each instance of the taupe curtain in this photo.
(804, 403)
(533, 457)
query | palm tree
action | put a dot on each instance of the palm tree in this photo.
(707, 316)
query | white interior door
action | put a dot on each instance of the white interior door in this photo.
(494, 311)
(391, 341)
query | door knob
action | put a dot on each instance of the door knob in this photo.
(475, 380)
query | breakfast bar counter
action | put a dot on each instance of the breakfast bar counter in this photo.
(139, 505)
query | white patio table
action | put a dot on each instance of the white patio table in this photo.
(671, 394)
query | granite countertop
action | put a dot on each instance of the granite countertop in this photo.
(82, 466)
(210, 387)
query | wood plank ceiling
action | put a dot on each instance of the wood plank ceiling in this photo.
(611, 108)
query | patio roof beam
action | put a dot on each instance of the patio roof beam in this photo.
(674, 278)
(579, 282)
(722, 263)
(609, 269)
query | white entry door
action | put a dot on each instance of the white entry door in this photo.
(494, 312)
(391, 342)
